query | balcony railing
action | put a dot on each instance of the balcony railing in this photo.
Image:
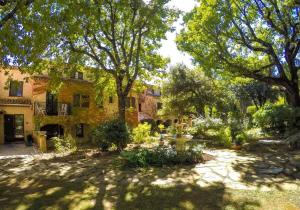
(54, 109)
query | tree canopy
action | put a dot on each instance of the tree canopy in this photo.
(258, 39)
(187, 91)
(120, 38)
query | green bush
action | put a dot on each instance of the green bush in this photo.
(275, 119)
(160, 156)
(241, 138)
(141, 134)
(109, 133)
(64, 144)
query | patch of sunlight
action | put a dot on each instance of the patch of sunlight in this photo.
(33, 196)
(22, 207)
(130, 196)
(107, 204)
(83, 200)
(26, 183)
(146, 191)
(163, 182)
(187, 205)
(188, 189)
(53, 190)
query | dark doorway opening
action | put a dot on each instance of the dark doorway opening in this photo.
(53, 130)
(13, 127)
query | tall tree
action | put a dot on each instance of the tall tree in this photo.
(120, 37)
(258, 39)
(187, 91)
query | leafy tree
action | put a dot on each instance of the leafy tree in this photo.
(257, 39)
(12, 13)
(120, 38)
(188, 91)
(254, 92)
(9, 8)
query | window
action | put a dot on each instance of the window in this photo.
(110, 99)
(76, 100)
(79, 130)
(140, 107)
(77, 75)
(85, 101)
(130, 102)
(159, 106)
(16, 88)
(81, 101)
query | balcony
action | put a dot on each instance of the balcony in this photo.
(16, 101)
(54, 109)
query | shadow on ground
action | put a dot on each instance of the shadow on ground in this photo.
(267, 165)
(77, 181)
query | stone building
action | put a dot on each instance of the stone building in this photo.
(27, 104)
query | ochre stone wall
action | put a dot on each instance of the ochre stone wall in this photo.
(90, 117)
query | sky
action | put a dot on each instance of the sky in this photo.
(169, 48)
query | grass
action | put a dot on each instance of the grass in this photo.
(99, 182)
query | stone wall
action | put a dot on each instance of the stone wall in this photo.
(90, 117)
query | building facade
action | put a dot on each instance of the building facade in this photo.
(28, 104)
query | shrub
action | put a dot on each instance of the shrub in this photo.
(172, 130)
(141, 133)
(64, 144)
(152, 123)
(275, 118)
(241, 138)
(160, 156)
(214, 129)
(109, 133)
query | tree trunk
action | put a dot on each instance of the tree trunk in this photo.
(294, 96)
(121, 106)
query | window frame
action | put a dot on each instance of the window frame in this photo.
(20, 88)
(85, 104)
(77, 103)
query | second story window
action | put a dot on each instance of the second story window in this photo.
(81, 101)
(110, 99)
(76, 100)
(16, 88)
(77, 75)
(130, 102)
(85, 101)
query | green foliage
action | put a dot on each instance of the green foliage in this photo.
(64, 144)
(160, 156)
(274, 118)
(214, 129)
(245, 38)
(172, 129)
(109, 133)
(240, 138)
(141, 134)
(187, 91)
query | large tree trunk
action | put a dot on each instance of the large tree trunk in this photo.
(121, 106)
(293, 95)
(121, 100)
